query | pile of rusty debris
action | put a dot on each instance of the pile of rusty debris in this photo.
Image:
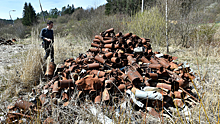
(6, 42)
(116, 67)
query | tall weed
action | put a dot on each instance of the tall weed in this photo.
(149, 24)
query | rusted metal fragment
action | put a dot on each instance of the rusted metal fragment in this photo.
(89, 83)
(50, 70)
(105, 95)
(25, 105)
(153, 112)
(66, 83)
(42, 98)
(55, 87)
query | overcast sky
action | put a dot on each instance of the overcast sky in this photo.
(18, 5)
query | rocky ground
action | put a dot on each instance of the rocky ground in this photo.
(9, 55)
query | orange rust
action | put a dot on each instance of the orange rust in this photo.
(97, 41)
(51, 69)
(115, 60)
(153, 61)
(153, 76)
(163, 63)
(99, 59)
(42, 98)
(23, 104)
(144, 60)
(118, 34)
(65, 83)
(163, 85)
(108, 55)
(99, 37)
(95, 45)
(108, 41)
(127, 35)
(55, 87)
(131, 60)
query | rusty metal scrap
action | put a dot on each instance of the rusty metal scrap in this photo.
(7, 42)
(119, 66)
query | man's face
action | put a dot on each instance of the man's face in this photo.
(50, 26)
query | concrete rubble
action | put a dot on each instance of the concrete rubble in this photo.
(116, 67)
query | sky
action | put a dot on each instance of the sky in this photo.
(6, 6)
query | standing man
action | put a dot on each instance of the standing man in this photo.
(47, 35)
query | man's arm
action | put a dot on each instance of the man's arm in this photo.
(42, 35)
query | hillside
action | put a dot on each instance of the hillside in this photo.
(5, 22)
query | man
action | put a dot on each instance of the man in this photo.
(47, 35)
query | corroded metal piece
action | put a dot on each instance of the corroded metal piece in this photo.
(55, 87)
(24, 104)
(66, 83)
(89, 83)
(50, 70)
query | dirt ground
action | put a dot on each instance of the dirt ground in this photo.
(10, 55)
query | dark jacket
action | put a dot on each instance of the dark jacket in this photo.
(46, 33)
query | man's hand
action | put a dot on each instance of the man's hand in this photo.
(47, 39)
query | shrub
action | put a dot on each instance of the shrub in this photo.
(63, 19)
(149, 24)
(97, 24)
(206, 33)
(19, 29)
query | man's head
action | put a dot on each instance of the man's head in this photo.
(50, 25)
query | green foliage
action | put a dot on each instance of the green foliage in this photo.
(122, 6)
(80, 14)
(18, 30)
(54, 13)
(127, 6)
(206, 33)
(63, 19)
(67, 10)
(186, 6)
(44, 13)
(149, 24)
(25, 20)
(29, 15)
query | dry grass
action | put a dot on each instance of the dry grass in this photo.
(203, 59)
(69, 47)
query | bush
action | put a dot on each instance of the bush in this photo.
(149, 24)
(97, 24)
(206, 33)
(63, 19)
(19, 29)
